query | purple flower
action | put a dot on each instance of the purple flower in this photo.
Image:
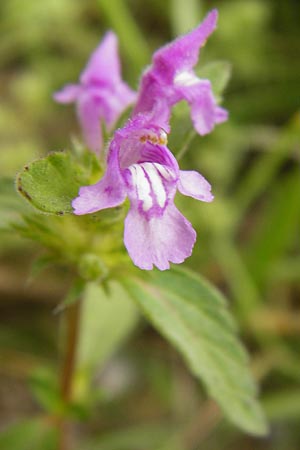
(101, 93)
(141, 167)
(171, 79)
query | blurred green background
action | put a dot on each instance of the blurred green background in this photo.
(248, 238)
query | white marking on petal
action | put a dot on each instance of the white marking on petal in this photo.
(156, 183)
(186, 79)
(148, 180)
(165, 172)
(142, 185)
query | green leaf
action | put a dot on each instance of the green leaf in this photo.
(278, 229)
(108, 316)
(185, 15)
(193, 316)
(183, 133)
(44, 386)
(121, 18)
(50, 184)
(262, 172)
(219, 73)
(36, 433)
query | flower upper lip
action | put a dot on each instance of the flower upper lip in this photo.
(170, 79)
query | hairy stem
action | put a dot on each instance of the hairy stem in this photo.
(72, 317)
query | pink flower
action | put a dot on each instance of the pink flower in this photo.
(171, 79)
(141, 167)
(101, 94)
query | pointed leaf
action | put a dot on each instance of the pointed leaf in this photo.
(193, 316)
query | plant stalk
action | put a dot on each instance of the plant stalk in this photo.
(72, 318)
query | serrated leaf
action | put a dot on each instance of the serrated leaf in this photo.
(50, 184)
(193, 316)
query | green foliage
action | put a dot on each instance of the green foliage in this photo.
(247, 240)
(51, 183)
(136, 438)
(120, 18)
(11, 206)
(34, 433)
(192, 315)
(218, 73)
(108, 317)
(185, 15)
(283, 405)
(43, 383)
(279, 228)
(262, 174)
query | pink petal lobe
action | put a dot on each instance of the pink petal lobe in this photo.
(115, 101)
(205, 112)
(221, 114)
(160, 240)
(193, 184)
(153, 100)
(110, 191)
(89, 115)
(104, 63)
(67, 94)
(183, 53)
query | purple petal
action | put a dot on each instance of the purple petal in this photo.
(67, 94)
(115, 100)
(153, 100)
(221, 115)
(193, 184)
(204, 110)
(89, 114)
(141, 141)
(158, 241)
(183, 53)
(171, 79)
(158, 154)
(110, 191)
(151, 187)
(104, 64)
